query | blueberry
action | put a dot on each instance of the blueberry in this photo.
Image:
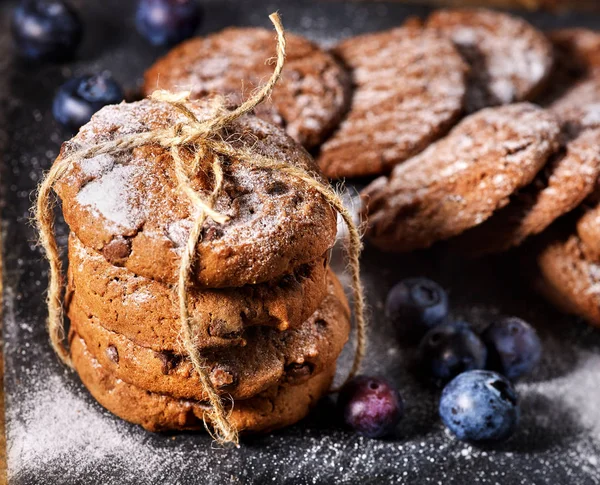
(480, 406)
(46, 29)
(449, 349)
(417, 302)
(167, 22)
(371, 406)
(80, 97)
(514, 347)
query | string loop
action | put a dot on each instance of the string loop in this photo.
(204, 140)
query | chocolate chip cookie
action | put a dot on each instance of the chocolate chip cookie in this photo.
(569, 279)
(274, 408)
(275, 223)
(269, 358)
(510, 60)
(564, 183)
(146, 311)
(307, 103)
(409, 86)
(459, 181)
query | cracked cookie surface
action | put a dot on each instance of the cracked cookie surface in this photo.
(129, 208)
(307, 102)
(459, 181)
(567, 179)
(409, 86)
(510, 60)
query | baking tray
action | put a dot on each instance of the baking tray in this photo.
(57, 434)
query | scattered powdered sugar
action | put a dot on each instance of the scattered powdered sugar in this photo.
(142, 295)
(178, 232)
(98, 165)
(110, 196)
(573, 391)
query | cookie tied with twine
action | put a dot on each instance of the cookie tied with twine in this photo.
(198, 140)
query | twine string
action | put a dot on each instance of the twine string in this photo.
(203, 139)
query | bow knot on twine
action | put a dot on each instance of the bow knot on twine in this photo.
(204, 140)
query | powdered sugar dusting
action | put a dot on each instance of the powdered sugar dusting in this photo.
(509, 58)
(111, 196)
(96, 166)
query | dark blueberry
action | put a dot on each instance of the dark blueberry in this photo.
(371, 406)
(46, 29)
(80, 97)
(167, 22)
(449, 349)
(417, 302)
(480, 406)
(514, 347)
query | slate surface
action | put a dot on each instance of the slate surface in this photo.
(58, 434)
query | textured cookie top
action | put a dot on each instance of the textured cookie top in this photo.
(307, 102)
(129, 207)
(509, 58)
(459, 181)
(566, 180)
(269, 358)
(409, 86)
(569, 278)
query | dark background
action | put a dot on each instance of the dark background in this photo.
(56, 433)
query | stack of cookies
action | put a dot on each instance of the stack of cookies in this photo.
(267, 315)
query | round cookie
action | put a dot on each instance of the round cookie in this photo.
(275, 408)
(588, 227)
(409, 86)
(275, 223)
(567, 179)
(459, 181)
(147, 312)
(569, 279)
(269, 358)
(510, 60)
(308, 102)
